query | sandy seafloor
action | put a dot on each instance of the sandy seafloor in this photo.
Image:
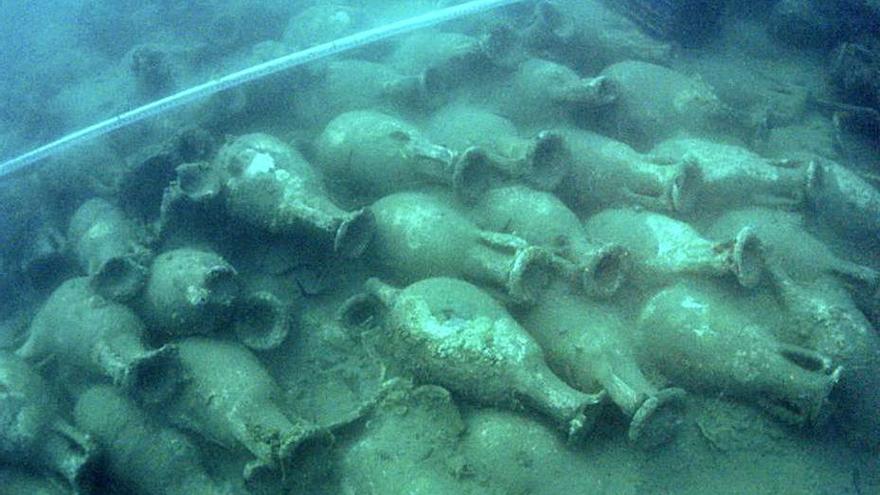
(65, 65)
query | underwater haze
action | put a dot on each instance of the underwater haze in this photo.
(453, 247)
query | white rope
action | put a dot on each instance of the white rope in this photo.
(255, 72)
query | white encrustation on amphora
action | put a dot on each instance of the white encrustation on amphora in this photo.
(271, 186)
